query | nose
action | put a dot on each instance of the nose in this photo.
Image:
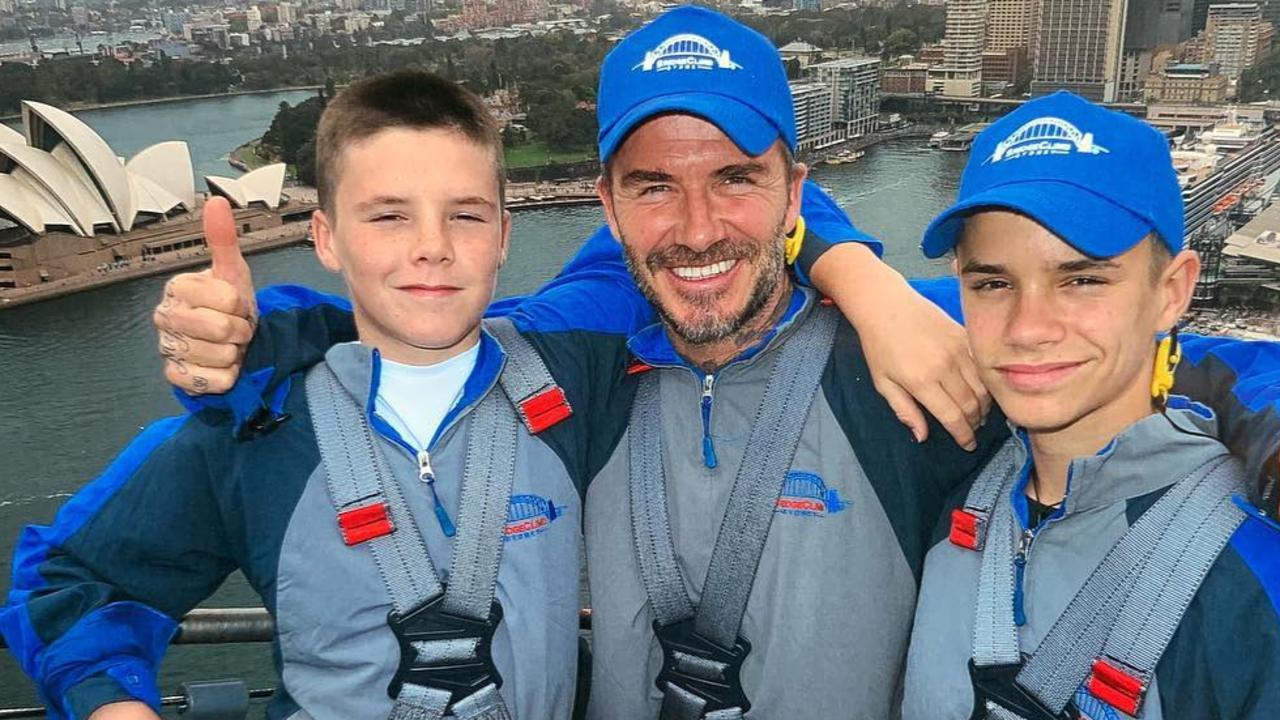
(432, 244)
(1035, 321)
(701, 228)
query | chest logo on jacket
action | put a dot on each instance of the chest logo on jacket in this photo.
(530, 516)
(806, 495)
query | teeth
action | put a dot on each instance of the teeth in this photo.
(704, 271)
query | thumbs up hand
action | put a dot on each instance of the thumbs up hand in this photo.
(206, 319)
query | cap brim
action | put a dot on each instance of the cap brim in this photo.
(749, 130)
(1087, 221)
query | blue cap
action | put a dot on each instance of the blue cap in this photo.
(696, 61)
(1099, 179)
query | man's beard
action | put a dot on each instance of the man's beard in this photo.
(706, 328)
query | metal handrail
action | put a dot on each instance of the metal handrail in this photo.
(216, 626)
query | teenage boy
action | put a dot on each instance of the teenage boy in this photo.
(393, 594)
(1106, 563)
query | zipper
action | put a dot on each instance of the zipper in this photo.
(1019, 572)
(428, 477)
(708, 446)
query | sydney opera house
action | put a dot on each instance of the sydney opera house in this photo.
(69, 206)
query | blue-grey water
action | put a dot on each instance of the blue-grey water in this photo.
(81, 375)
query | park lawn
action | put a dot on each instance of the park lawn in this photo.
(248, 154)
(534, 153)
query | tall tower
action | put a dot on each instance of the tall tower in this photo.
(1077, 47)
(963, 45)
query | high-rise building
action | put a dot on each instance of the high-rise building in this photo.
(855, 91)
(963, 43)
(1077, 47)
(1008, 24)
(1186, 83)
(813, 113)
(1236, 37)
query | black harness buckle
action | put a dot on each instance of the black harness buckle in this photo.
(999, 684)
(719, 693)
(429, 622)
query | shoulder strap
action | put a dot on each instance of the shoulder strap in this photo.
(693, 670)
(1115, 630)
(540, 402)
(435, 631)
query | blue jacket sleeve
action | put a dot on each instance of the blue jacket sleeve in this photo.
(94, 595)
(1238, 379)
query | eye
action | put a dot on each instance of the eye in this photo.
(1085, 281)
(470, 218)
(384, 218)
(739, 180)
(654, 189)
(990, 285)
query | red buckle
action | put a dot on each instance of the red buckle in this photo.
(364, 523)
(1116, 686)
(637, 366)
(544, 409)
(968, 529)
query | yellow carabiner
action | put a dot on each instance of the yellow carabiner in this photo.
(1168, 355)
(795, 239)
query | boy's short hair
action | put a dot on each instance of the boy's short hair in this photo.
(413, 99)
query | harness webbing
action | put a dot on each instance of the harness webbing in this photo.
(359, 477)
(691, 665)
(1120, 622)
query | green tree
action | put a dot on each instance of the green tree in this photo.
(900, 42)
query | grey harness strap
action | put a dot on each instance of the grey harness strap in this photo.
(703, 653)
(1118, 625)
(445, 632)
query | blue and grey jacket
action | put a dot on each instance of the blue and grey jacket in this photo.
(95, 596)
(1224, 658)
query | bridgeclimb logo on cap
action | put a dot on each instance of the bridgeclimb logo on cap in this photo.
(686, 51)
(1045, 136)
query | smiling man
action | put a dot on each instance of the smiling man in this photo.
(1106, 564)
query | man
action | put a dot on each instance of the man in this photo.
(1071, 261)
(348, 520)
(782, 511)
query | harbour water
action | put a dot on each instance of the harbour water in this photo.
(81, 375)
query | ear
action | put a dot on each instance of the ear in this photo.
(795, 188)
(506, 237)
(322, 234)
(1176, 286)
(604, 191)
(955, 264)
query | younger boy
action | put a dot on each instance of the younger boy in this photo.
(378, 576)
(1105, 564)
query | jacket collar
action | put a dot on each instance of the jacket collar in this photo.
(653, 346)
(1149, 455)
(358, 368)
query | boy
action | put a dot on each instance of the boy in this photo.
(1105, 564)
(420, 598)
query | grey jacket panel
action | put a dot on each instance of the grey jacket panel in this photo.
(1147, 457)
(830, 611)
(337, 653)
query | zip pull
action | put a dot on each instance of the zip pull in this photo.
(428, 476)
(708, 447)
(1019, 575)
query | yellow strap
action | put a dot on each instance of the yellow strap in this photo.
(795, 240)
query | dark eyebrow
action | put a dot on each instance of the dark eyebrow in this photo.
(747, 168)
(637, 177)
(973, 266)
(1087, 264)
